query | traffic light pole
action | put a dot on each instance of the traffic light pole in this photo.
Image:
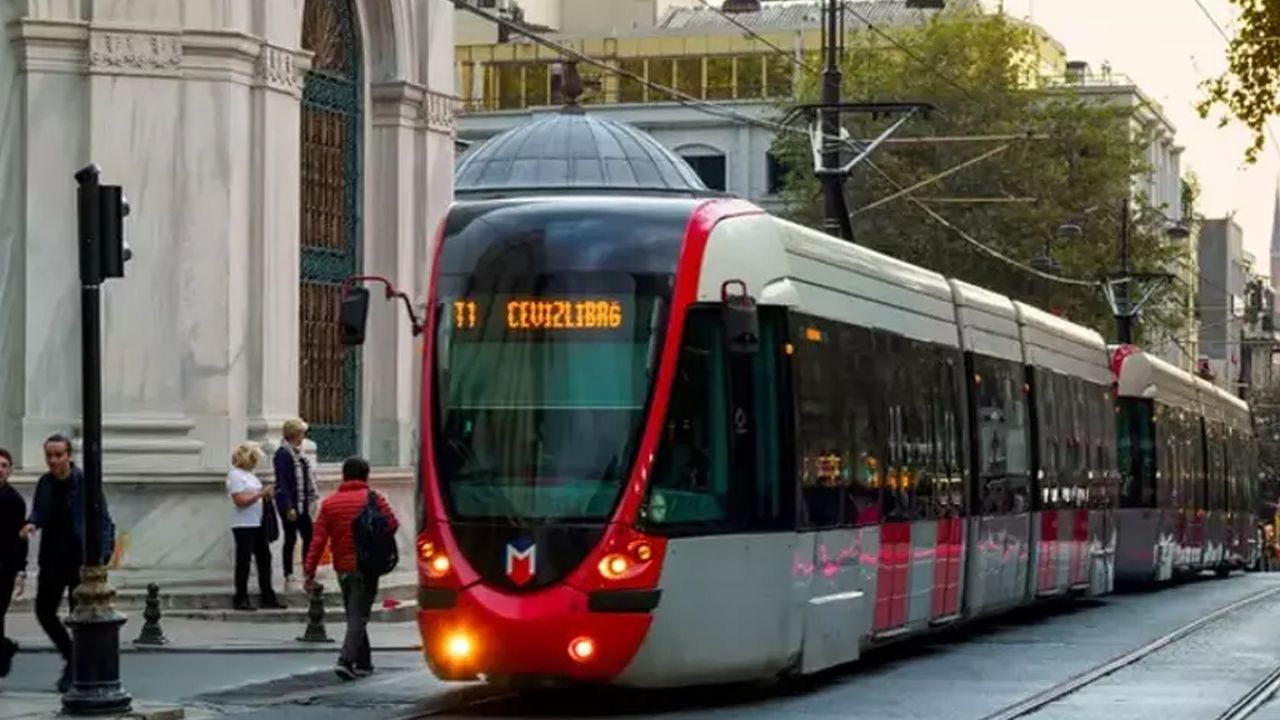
(95, 625)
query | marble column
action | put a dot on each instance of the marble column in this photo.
(136, 91)
(276, 241)
(390, 251)
(44, 142)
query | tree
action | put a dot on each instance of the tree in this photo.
(1083, 171)
(1248, 90)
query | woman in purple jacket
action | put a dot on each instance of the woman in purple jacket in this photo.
(295, 494)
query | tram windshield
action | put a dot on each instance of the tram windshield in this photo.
(544, 367)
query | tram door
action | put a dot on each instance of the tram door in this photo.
(753, 341)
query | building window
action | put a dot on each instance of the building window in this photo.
(329, 375)
(777, 171)
(711, 168)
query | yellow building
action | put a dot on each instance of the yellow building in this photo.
(693, 49)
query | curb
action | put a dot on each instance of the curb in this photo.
(290, 649)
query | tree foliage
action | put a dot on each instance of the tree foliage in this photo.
(1248, 90)
(1081, 173)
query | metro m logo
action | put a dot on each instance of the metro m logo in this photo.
(522, 561)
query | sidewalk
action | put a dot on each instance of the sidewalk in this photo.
(33, 706)
(201, 589)
(197, 636)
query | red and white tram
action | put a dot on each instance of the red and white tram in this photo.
(671, 440)
(1189, 495)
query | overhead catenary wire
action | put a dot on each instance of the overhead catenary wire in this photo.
(978, 243)
(719, 111)
(930, 180)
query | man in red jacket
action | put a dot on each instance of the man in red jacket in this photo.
(333, 527)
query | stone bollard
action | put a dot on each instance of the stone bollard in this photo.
(152, 633)
(315, 632)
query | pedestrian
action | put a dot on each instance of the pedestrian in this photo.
(295, 494)
(57, 512)
(334, 530)
(13, 554)
(251, 524)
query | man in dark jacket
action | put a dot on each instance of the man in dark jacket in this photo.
(13, 554)
(57, 513)
(295, 494)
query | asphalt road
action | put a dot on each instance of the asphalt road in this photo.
(962, 677)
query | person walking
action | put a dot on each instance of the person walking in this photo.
(335, 527)
(57, 512)
(295, 494)
(250, 526)
(13, 554)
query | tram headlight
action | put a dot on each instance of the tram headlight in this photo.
(459, 646)
(582, 649)
(617, 565)
(439, 566)
(614, 566)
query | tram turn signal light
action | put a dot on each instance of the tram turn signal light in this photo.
(582, 649)
(437, 562)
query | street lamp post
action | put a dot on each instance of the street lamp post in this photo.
(95, 625)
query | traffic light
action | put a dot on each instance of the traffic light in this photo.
(114, 250)
(102, 210)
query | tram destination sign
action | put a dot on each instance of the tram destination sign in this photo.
(524, 314)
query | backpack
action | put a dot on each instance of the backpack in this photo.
(376, 553)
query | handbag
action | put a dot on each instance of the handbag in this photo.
(270, 523)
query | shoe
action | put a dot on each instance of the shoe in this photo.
(243, 605)
(345, 670)
(8, 649)
(64, 682)
(272, 603)
(363, 671)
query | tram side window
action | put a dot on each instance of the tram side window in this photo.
(690, 483)
(1068, 440)
(1003, 462)
(1216, 482)
(1107, 479)
(919, 375)
(834, 413)
(893, 351)
(1047, 418)
(1137, 427)
(1166, 423)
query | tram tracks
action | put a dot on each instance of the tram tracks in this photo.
(1243, 708)
(1253, 700)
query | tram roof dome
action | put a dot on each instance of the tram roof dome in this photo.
(572, 151)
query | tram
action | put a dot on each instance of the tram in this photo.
(1190, 493)
(671, 439)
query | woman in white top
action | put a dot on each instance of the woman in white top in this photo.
(247, 493)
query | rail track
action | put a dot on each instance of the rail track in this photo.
(1243, 708)
(1259, 695)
